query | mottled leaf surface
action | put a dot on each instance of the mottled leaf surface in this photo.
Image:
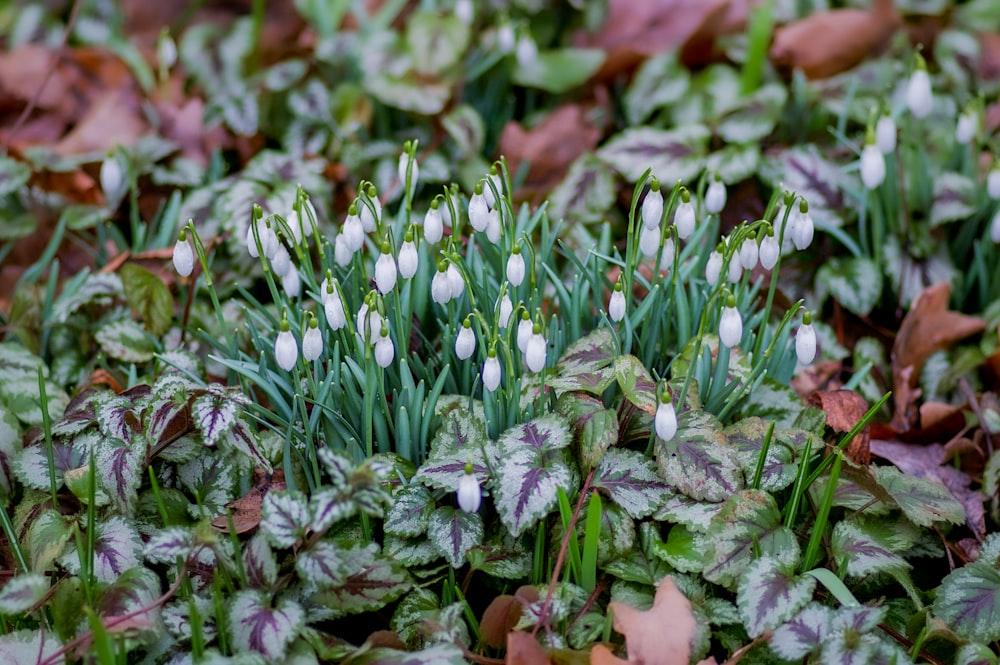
(257, 626)
(769, 594)
(454, 532)
(630, 479)
(699, 461)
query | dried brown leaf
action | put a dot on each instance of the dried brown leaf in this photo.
(246, 510)
(844, 409)
(660, 635)
(524, 649)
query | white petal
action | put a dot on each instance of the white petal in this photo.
(286, 351)
(312, 344)
(183, 257)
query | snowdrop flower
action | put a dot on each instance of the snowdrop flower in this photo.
(301, 219)
(652, 206)
(491, 371)
(342, 252)
(286, 350)
(336, 317)
(166, 51)
(369, 323)
(312, 341)
(470, 497)
(353, 231)
(769, 250)
(493, 226)
(749, 252)
(730, 324)
(527, 51)
(465, 341)
(464, 11)
(384, 350)
(665, 420)
(446, 203)
(506, 310)
(714, 266)
(441, 285)
(995, 227)
(370, 211)
(649, 241)
(183, 255)
(433, 225)
(456, 281)
(805, 340)
(112, 180)
(385, 269)
(524, 330)
(872, 166)
(616, 306)
(404, 163)
(885, 134)
(291, 282)
(993, 182)
(506, 39)
(408, 259)
(667, 255)
(735, 269)
(684, 215)
(803, 229)
(281, 262)
(534, 355)
(264, 232)
(715, 197)
(968, 125)
(515, 266)
(919, 98)
(488, 195)
(479, 212)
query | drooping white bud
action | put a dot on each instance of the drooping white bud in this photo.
(286, 350)
(730, 324)
(433, 225)
(527, 51)
(408, 259)
(491, 372)
(479, 212)
(370, 210)
(493, 226)
(312, 341)
(749, 252)
(652, 206)
(384, 349)
(805, 341)
(735, 269)
(667, 255)
(616, 305)
(534, 355)
(183, 255)
(885, 134)
(684, 216)
(993, 182)
(470, 497)
(336, 317)
(515, 267)
(404, 161)
(995, 227)
(369, 323)
(506, 310)
(524, 331)
(291, 282)
(353, 231)
(649, 241)
(665, 420)
(488, 195)
(967, 126)
(715, 197)
(342, 252)
(803, 230)
(464, 11)
(385, 270)
(441, 286)
(769, 250)
(506, 39)
(112, 180)
(713, 267)
(919, 97)
(281, 261)
(456, 281)
(465, 341)
(872, 166)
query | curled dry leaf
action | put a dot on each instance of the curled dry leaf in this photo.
(246, 509)
(524, 649)
(660, 635)
(827, 43)
(503, 614)
(844, 409)
(929, 326)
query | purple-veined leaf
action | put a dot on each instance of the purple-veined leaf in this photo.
(955, 198)
(327, 507)
(617, 532)
(214, 414)
(117, 548)
(285, 517)
(125, 340)
(850, 495)
(660, 81)
(862, 553)
(923, 501)
(780, 466)
(410, 551)
(969, 600)
(586, 364)
(801, 635)
(438, 654)
(28, 647)
(321, 565)
(212, 479)
(807, 172)
(98, 289)
(259, 562)
(636, 383)
(699, 461)
(22, 592)
(458, 441)
(695, 515)
(407, 620)
(631, 481)
(166, 419)
(684, 549)
(586, 193)
(177, 617)
(734, 162)
(371, 581)
(850, 640)
(769, 595)
(454, 532)
(166, 545)
(337, 466)
(595, 429)
(676, 154)
(532, 467)
(755, 117)
(134, 590)
(47, 537)
(118, 421)
(256, 626)
(32, 465)
(118, 469)
(411, 508)
(241, 439)
(504, 558)
(749, 522)
(855, 283)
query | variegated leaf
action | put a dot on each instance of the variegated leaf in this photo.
(32, 464)
(119, 471)
(595, 428)
(756, 115)
(320, 565)
(660, 81)
(285, 517)
(413, 609)
(22, 592)
(177, 617)
(259, 561)
(631, 481)
(781, 464)
(371, 581)
(97, 289)
(438, 654)
(801, 635)
(117, 548)
(806, 170)
(410, 552)
(923, 501)
(969, 600)
(454, 532)
(165, 419)
(458, 441)
(47, 537)
(27, 647)
(862, 553)
(586, 193)
(166, 545)
(135, 591)
(955, 198)
(850, 640)
(699, 461)
(337, 466)
(118, 420)
(411, 508)
(210, 478)
(125, 340)
(694, 514)
(636, 383)
(676, 154)
(586, 364)
(257, 626)
(327, 507)
(769, 594)
(214, 415)
(242, 439)
(506, 559)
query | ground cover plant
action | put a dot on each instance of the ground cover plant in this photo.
(533, 333)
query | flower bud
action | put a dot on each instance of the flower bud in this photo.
(730, 324)
(441, 286)
(506, 310)
(385, 270)
(470, 497)
(872, 166)
(667, 254)
(183, 255)
(524, 331)
(433, 226)
(515, 267)
(353, 231)
(749, 252)
(408, 259)
(885, 134)
(342, 252)
(456, 281)
(665, 420)
(993, 182)
(404, 161)
(384, 349)
(465, 342)
(713, 267)
(715, 197)
(479, 212)
(493, 226)
(769, 250)
(112, 180)
(527, 51)
(286, 350)
(291, 282)
(919, 97)
(312, 341)
(802, 232)
(336, 317)
(281, 261)
(649, 241)
(995, 227)
(534, 355)
(491, 371)
(805, 340)
(652, 206)
(616, 306)
(684, 216)
(967, 126)
(370, 210)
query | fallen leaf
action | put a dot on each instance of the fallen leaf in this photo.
(989, 56)
(660, 635)
(524, 649)
(827, 43)
(246, 509)
(548, 148)
(844, 409)
(114, 118)
(502, 615)
(929, 326)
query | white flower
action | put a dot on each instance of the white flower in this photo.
(300, 220)
(465, 341)
(735, 269)
(384, 350)
(872, 166)
(456, 281)
(281, 261)
(749, 253)
(464, 11)
(312, 342)
(805, 342)
(183, 255)
(433, 226)
(470, 497)
(268, 239)
(995, 227)
(885, 134)
(166, 51)
(665, 420)
(493, 226)
(491, 372)
(652, 207)
(684, 217)
(968, 125)
(667, 255)
(336, 317)
(370, 215)
(506, 310)
(515, 267)
(769, 250)
(616, 306)
(408, 259)
(919, 97)
(649, 241)
(488, 191)
(286, 351)
(291, 282)
(534, 355)
(524, 332)
(730, 326)
(713, 267)
(112, 180)
(353, 231)
(441, 287)
(993, 183)
(506, 39)
(404, 160)
(479, 212)
(342, 252)
(715, 197)
(373, 319)
(385, 270)
(527, 51)
(803, 230)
